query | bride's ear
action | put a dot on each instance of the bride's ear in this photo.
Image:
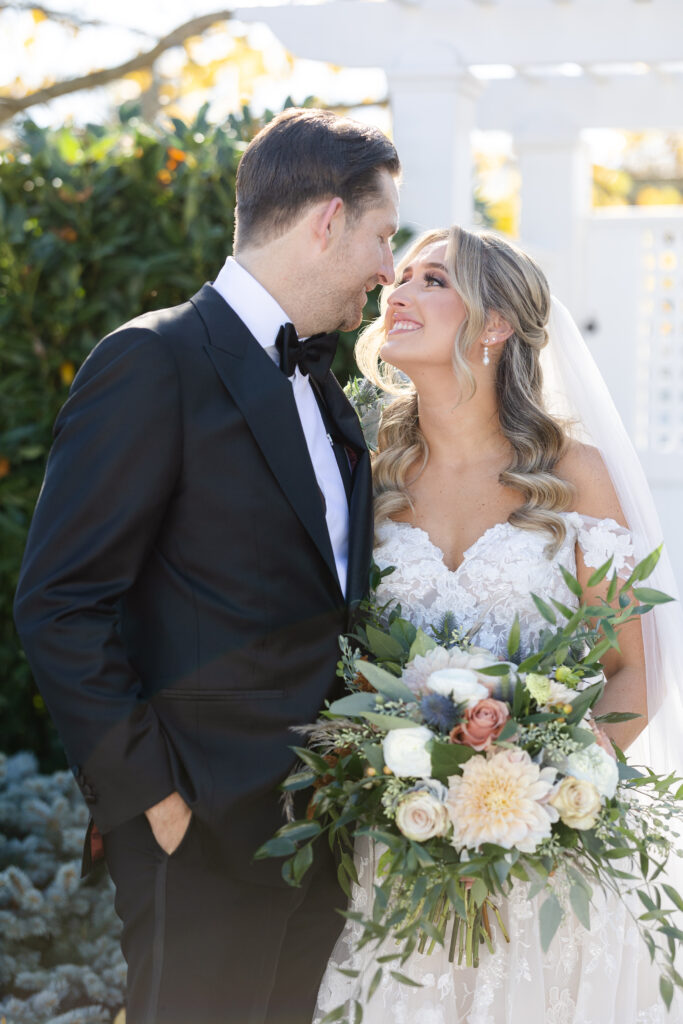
(497, 331)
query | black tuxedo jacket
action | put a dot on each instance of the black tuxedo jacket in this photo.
(178, 601)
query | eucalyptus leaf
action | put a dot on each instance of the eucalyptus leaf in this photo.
(386, 684)
(405, 980)
(387, 722)
(617, 716)
(447, 758)
(579, 899)
(545, 609)
(353, 704)
(514, 638)
(599, 574)
(550, 917)
(421, 645)
(646, 595)
(382, 645)
(571, 582)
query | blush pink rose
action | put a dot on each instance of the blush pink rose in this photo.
(482, 724)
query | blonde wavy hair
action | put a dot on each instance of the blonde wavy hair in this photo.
(490, 275)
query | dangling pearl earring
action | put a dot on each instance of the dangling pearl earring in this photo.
(486, 359)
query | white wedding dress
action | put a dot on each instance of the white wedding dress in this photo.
(599, 977)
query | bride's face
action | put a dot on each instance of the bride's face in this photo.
(423, 314)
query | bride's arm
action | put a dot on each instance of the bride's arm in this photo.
(626, 688)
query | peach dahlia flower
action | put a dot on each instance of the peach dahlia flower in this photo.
(501, 800)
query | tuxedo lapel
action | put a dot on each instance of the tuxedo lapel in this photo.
(265, 399)
(361, 524)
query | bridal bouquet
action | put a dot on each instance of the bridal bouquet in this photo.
(472, 773)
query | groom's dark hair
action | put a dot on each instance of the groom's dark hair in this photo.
(301, 157)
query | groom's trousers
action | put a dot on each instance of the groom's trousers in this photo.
(204, 946)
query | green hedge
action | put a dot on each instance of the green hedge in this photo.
(96, 226)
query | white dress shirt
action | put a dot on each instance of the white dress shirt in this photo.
(263, 317)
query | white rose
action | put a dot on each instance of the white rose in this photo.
(405, 752)
(420, 816)
(593, 764)
(459, 683)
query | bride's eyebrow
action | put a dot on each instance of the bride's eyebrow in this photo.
(431, 266)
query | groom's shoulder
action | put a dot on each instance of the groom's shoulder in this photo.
(176, 331)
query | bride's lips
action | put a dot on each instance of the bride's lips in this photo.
(404, 325)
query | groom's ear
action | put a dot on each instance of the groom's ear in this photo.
(327, 221)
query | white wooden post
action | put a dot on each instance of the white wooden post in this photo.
(555, 201)
(433, 118)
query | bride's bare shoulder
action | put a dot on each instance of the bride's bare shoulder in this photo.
(583, 467)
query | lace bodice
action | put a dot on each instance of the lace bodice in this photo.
(498, 574)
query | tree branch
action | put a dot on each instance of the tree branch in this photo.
(65, 18)
(11, 105)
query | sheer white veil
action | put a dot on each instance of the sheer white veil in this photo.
(574, 388)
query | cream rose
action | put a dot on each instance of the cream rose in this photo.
(577, 802)
(459, 683)
(405, 752)
(421, 816)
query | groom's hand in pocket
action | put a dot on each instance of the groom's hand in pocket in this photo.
(169, 820)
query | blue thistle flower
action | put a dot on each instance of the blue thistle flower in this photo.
(439, 712)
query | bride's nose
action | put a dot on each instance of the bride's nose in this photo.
(400, 297)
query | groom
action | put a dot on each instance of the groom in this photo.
(203, 531)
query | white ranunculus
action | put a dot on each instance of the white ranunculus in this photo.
(459, 683)
(417, 672)
(421, 816)
(593, 764)
(405, 752)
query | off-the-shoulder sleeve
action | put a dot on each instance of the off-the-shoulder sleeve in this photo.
(600, 539)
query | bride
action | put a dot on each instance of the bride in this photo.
(482, 493)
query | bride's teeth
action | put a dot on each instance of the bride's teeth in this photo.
(405, 325)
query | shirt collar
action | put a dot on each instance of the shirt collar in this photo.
(256, 308)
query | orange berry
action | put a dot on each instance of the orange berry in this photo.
(67, 372)
(176, 154)
(4, 467)
(387, 771)
(164, 176)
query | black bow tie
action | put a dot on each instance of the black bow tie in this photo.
(313, 356)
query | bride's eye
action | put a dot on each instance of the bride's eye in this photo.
(433, 279)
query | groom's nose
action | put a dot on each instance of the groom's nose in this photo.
(386, 274)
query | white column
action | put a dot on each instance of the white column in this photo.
(433, 117)
(556, 185)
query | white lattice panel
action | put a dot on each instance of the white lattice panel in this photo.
(659, 351)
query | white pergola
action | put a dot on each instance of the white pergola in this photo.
(542, 70)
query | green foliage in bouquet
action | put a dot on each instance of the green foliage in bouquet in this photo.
(431, 730)
(61, 962)
(97, 226)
